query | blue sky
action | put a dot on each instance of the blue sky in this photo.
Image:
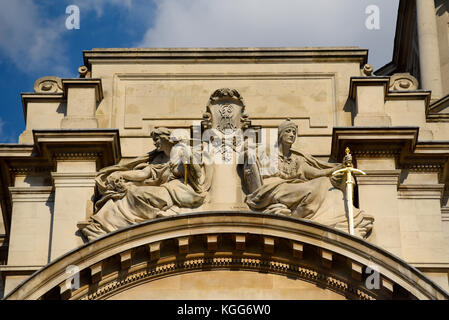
(34, 41)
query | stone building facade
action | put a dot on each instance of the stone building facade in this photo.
(395, 124)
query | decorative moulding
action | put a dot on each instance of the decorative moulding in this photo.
(48, 84)
(374, 141)
(120, 260)
(100, 144)
(403, 82)
(174, 55)
(398, 142)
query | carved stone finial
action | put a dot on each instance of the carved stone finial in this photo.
(48, 84)
(367, 70)
(84, 72)
(403, 82)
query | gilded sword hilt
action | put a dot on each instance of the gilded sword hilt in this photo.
(349, 168)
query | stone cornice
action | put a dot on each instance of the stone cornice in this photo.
(39, 97)
(31, 194)
(420, 191)
(439, 105)
(438, 111)
(389, 95)
(398, 142)
(410, 95)
(101, 144)
(84, 83)
(198, 55)
(68, 180)
(377, 141)
(8, 270)
(432, 147)
(430, 156)
(16, 150)
(431, 267)
(445, 213)
(379, 177)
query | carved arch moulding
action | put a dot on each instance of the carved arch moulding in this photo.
(223, 241)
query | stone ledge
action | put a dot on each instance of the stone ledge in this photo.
(420, 191)
(82, 143)
(39, 97)
(379, 177)
(73, 180)
(10, 270)
(382, 140)
(174, 55)
(31, 194)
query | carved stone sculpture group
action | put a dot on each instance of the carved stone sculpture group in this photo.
(176, 178)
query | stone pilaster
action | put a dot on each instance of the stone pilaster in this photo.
(420, 196)
(82, 98)
(378, 197)
(78, 155)
(377, 151)
(32, 210)
(429, 53)
(30, 236)
(74, 183)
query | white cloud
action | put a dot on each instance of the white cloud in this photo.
(272, 23)
(98, 5)
(35, 42)
(30, 40)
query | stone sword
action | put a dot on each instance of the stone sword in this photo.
(349, 170)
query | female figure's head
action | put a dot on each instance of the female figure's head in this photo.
(287, 132)
(161, 138)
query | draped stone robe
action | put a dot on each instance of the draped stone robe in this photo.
(163, 193)
(298, 188)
